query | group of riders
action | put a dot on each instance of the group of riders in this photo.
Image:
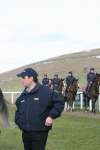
(70, 85)
(69, 80)
(55, 82)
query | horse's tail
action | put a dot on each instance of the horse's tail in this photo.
(4, 112)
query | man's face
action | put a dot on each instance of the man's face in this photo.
(56, 77)
(27, 81)
(45, 76)
(70, 74)
(92, 71)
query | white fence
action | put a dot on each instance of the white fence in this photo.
(14, 95)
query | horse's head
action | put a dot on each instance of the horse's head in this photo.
(74, 86)
(61, 85)
(75, 83)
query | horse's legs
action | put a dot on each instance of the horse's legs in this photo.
(85, 100)
(93, 106)
(87, 103)
(66, 106)
(70, 106)
(66, 103)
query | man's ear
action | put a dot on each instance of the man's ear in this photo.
(31, 78)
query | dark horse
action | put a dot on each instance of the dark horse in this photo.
(92, 92)
(3, 110)
(70, 94)
(61, 86)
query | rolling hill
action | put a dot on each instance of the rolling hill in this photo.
(79, 63)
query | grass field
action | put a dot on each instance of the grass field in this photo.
(69, 133)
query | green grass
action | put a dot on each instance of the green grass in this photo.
(69, 133)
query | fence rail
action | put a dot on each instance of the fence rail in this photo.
(14, 95)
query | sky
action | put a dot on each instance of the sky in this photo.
(34, 30)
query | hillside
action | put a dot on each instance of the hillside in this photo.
(79, 63)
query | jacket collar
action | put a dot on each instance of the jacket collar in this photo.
(36, 88)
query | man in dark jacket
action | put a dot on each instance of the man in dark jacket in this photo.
(91, 76)
(45, 80)
(70, 79)
(55, 82)
(37, 107)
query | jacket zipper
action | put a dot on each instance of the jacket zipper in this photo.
(27, 110)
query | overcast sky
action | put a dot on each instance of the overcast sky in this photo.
(34, 30)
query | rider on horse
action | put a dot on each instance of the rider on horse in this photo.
(92, 89)
(55, 82)
(70, 90)
(45, 80)
(70, 79)
(91, 77)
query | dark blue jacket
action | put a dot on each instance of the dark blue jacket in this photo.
(55, 83)
(33, 108)
(45, 81)
(91, 77)
(70, 80)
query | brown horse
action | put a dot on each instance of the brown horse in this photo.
(3, 110)
(61, 86)
(92, 92)
(70, 94)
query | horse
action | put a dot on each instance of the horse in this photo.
(61, 86)
(4, 110)
(92, 92)
(70, 94)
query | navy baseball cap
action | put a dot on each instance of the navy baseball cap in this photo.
(28, 72)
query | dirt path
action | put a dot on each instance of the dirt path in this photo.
(83, 114)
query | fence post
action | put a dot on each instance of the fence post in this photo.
(12, 98)
(81, 97)
(90, 105)
(65, 106)
(99, 102)
(73, 105)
